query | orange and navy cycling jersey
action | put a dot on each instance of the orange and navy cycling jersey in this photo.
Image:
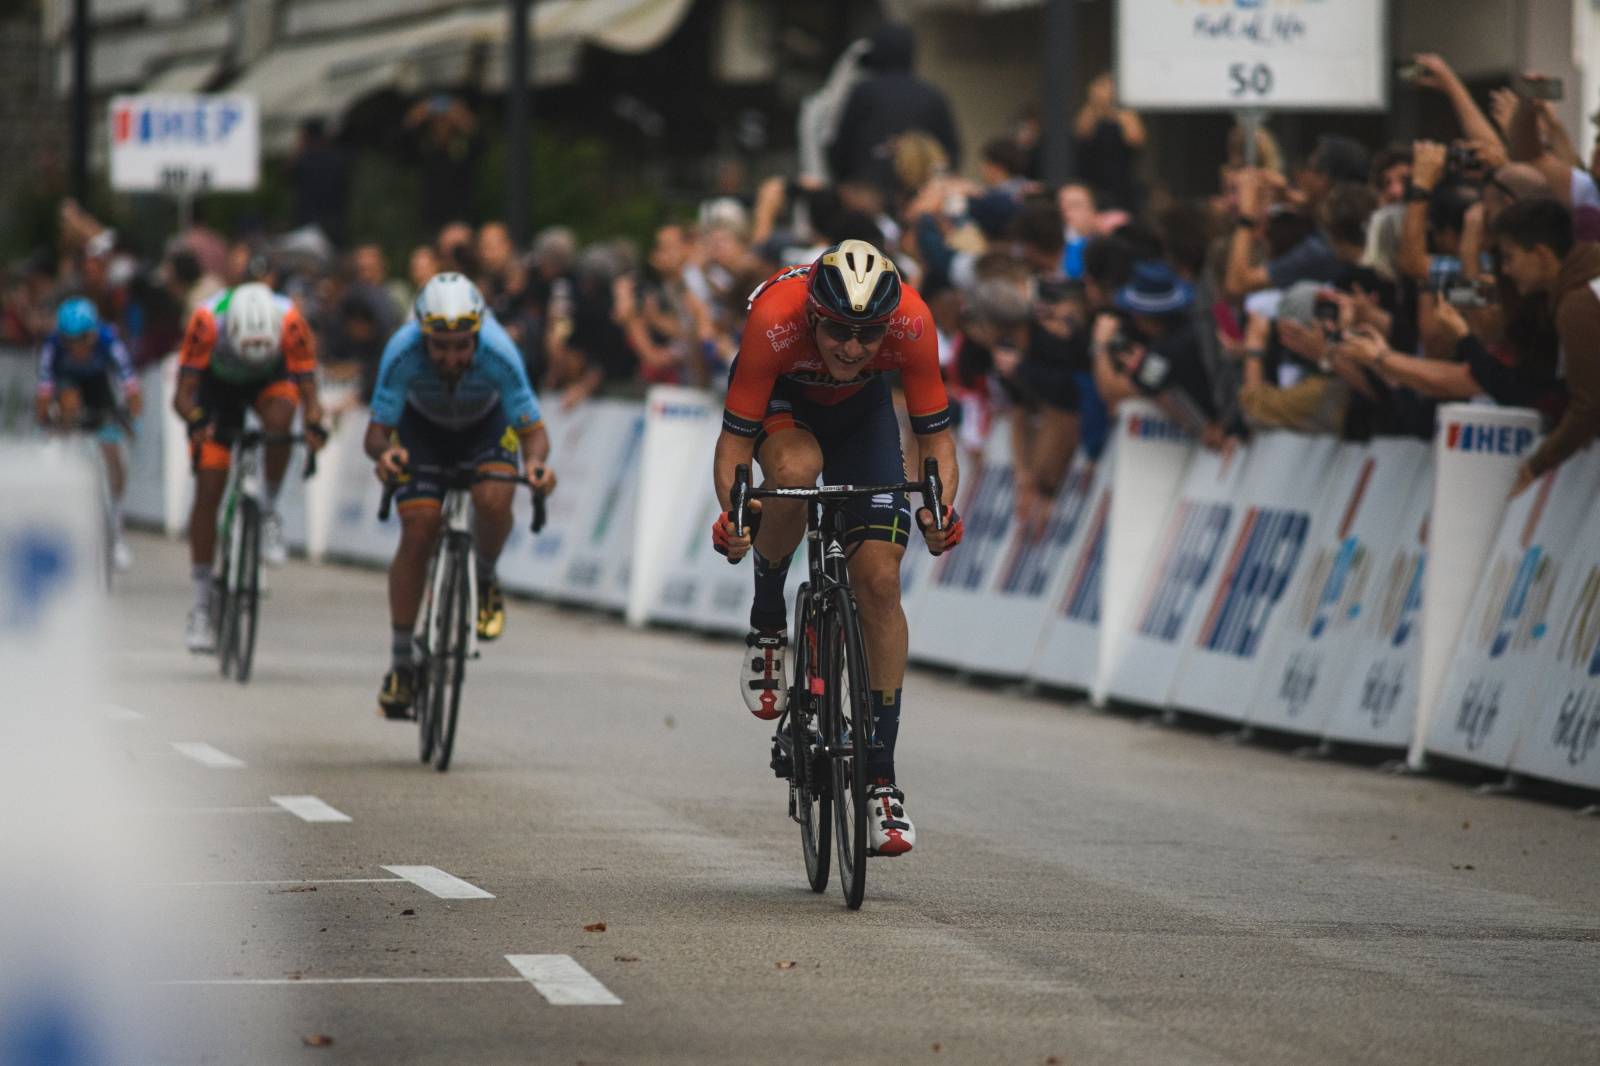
(205, 347)
(778, 343)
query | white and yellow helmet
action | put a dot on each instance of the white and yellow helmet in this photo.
(854, 283)
(449, 303)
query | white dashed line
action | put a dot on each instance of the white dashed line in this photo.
(206, 755)
(562, 982)
(434, 880)
(310, 809)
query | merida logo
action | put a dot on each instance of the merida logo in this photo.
(1488, 440)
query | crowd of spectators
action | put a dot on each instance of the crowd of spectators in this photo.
(1345, 293)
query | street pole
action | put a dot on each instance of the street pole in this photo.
(519, 169)
(80, 100)
(1060, 74)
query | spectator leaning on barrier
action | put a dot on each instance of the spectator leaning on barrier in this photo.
(1539, 255)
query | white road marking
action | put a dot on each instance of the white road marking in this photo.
(206, 755)
(434, 880)
(351, 981)
(562, 982)
(122, 714)
(309, 809)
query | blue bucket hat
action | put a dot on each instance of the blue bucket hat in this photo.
(1154, 289)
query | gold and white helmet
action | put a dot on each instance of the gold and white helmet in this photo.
(854, 283)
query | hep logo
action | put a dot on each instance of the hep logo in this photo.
(198, 124)
(1146, 428)
(1487, 440)
(37, 566)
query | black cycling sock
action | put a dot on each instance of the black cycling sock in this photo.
(400, 646)
(485, 572)
(768, 611)
(886, 716)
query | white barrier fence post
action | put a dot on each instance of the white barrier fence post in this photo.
(1476, 453)
(1152, 455)
(675, 421)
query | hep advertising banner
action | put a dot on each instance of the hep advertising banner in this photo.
(1069, 644)
(184, 143)
(1342, 581)
(1561, 739)
(1501, 664)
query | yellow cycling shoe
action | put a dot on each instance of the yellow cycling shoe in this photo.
(491, 612)
(398, 693)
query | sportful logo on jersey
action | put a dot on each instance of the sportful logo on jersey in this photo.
(1146, 428)
(1487, 440)
(1264, 558)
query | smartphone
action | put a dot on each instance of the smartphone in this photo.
(1411, 72)
(1542, 88)
(1467, 296)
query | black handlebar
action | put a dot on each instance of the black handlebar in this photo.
(464, 477)
(251, 437)
(930, 487)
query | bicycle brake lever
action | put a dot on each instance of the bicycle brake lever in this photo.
(538, 512)
(740, 498)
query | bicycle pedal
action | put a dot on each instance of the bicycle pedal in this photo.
(782, 766)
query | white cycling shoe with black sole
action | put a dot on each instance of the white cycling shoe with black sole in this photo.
(763, 680)
(890, 832)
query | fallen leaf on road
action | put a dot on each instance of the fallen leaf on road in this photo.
(1466, 825)
(317, 1040)
(292, 888)
(785, 964)
(670, 721)
(936, 1048)
(595, 927)
(1052, 1061)
(409, 912)
(626, 958)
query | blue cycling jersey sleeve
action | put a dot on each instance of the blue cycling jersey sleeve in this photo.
(120, 357)
(395, 371)
(502, 361)
(47, 361)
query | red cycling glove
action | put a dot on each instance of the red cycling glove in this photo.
(954, 527)
(719, 528)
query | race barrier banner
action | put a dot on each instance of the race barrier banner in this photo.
(1288, 584)
(1278, 504)
(1501, 666)
(1375, 699)
(1476, 452)
(1068, 651)
(1181, 579)
(1364, 500)
(1561, 739)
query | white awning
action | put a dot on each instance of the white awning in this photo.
(184, 76)
(324, 79)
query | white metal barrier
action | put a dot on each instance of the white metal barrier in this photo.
(1294, 584)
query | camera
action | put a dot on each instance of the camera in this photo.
(1541, 88)
(1461, 159)
(1120, 345)
(1326, 313)
(1469, 296)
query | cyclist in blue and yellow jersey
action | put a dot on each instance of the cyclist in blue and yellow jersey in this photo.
(76, 365)
(451, 390)
(809, 395)
(247, 348)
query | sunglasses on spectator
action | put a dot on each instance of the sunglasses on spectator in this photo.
(842, 332)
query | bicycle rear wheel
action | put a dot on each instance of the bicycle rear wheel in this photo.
(457, 616)
(847, 718)
(811, 787)
(247, 597)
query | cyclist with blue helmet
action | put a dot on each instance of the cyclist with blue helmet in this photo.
(76, 364)
(451, 389)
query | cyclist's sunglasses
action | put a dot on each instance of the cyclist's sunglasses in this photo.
(441, 324)
(842, 332)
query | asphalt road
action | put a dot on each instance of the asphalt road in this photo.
(1084, 889)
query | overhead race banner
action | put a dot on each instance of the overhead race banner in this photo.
(1194, 55)
(1365, 499)
(184, 143)
(1500, 668)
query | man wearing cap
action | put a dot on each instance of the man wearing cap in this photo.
(1150, 348)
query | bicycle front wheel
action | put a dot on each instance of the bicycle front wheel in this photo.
(811, 787)
(457, 617)
(247, 598)
(846, 729)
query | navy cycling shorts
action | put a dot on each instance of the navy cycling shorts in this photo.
(488, 443)
(860, 441)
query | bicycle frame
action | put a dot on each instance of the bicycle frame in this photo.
(457, 533)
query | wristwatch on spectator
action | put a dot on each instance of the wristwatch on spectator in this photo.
(1417, 194)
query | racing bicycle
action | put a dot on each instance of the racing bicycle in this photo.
(447, 633)
(237, 596)
(824, 738)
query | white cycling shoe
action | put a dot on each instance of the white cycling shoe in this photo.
(762, 680)
(200, 636)
(274, 552)
(890, 831)
(121, 555)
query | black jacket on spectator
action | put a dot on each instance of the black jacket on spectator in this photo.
(890, 102)
(1175, 363)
